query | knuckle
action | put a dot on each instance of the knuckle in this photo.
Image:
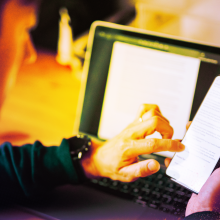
(126, 152)
(129, 178)
(120, 144)
(124, 148)
(128, 132)
(170, 132)
(169, 144)
(153, 112)
(141, 172)
(152, 143)
(156, 120)
(156, 107)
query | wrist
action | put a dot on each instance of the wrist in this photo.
(79, 147)
(88, 161)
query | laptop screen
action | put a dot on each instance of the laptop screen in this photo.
(126, 68)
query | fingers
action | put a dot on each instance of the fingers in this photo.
(146, 107)
(167, 162)
(139, 169)
(152, 145)
(188, 125)
(151, 113)
(148, 127)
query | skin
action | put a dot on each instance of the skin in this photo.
(16, 46)
(118, 158)
(208, 198)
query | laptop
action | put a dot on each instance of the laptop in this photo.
(125, 67)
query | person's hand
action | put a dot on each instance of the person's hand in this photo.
(118, 158)
(208, 198)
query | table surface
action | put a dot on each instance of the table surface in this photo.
(42, 104)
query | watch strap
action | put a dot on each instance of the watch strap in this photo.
(79, 146)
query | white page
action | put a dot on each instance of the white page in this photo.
(193, 166)
(140, 75)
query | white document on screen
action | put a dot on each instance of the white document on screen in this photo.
(140, 75)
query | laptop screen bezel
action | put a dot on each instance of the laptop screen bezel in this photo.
(125, 30)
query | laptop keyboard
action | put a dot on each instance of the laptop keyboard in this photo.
(156, 191)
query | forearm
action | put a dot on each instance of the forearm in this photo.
(32, 168)
(203, 216)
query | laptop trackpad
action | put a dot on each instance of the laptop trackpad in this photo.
(155, 214)
(82, 202)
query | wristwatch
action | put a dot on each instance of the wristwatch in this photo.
(79, 146)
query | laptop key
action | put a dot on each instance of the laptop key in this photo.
(94, 181)
(135, 191)
(180, 193)
(114, 185)
(103, 182)
(141, 202)
(160, 183)
(153, 206)
(169, 189)
(156, 195)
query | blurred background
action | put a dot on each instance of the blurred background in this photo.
(42, 105)
(194, 19)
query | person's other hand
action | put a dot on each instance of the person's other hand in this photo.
(118, 158)
(208, 198)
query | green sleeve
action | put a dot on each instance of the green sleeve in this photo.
(34, 168)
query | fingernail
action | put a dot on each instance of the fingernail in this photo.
(153, 166)
(181, 146)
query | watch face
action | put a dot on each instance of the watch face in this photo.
(79, 145)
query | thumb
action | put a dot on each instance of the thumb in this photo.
(139, 169)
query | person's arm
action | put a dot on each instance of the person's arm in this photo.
(31, 169)
(203, 216)
(208, 199)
